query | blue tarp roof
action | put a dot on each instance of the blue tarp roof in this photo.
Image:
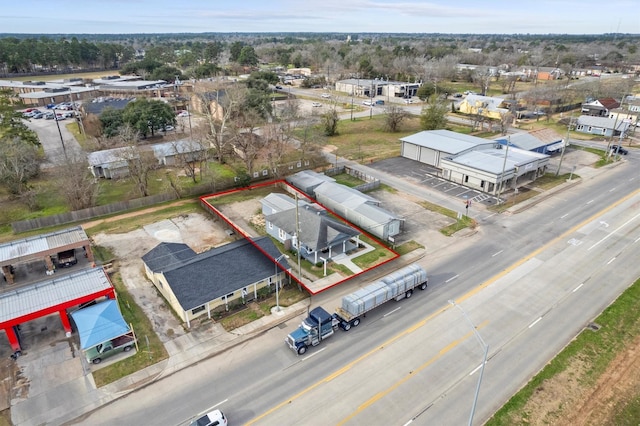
(99, 323)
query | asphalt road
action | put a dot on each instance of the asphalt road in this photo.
(55, 143)
(529, 282)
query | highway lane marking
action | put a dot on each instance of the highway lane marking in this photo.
(535, 322)
(451, 279)
(476, 369)
(314, 354)
(563, 216)
(577, 288)
(590, 201)
(428, 318)
(612, 189)
(536, 252)
(611, 260)
(614, 231)
(408, 376)
(389, 313)
(495, 254)
(637, 239)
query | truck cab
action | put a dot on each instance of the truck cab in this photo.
(319, 325)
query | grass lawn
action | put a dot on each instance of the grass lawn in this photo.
(348, 180)
(585, 358)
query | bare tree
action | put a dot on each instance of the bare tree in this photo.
(78, 187)
(394, 116)
(141, 162)
(506, 118)
(219, 106)
(191, 155)
(247, 144)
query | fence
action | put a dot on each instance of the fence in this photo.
(122, 206)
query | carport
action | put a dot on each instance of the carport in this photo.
(42, 247)
(47, 297)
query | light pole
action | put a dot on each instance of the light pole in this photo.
(485, 348)
(276, 280)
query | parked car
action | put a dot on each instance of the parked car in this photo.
(214, 418)
(38, 115)
(49, 116)
(379, 102)
(619, 149)
(367, 103)
(182, 113)
(50, 106)
(278, 87)
(325, 95)
(316, 104)
(408, 101)
(168, 128)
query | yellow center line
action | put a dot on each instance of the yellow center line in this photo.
(441, 310)
(411, 374)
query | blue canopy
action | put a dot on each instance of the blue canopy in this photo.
(99, 323)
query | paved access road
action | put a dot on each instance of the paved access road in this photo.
(529, 282)
(53, 140)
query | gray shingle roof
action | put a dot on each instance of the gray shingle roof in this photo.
(166, 256)
(317, 230)
(220, 271)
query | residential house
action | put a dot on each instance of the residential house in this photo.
(485, 106)
(600, 107)
(210, 103)
(196, 284)
(317, 237)
(178, 152)
(601, 126)
(111, 163)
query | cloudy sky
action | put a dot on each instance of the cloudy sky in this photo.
(344, 16)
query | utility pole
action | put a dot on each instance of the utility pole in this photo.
(566, 142)
(504, 165)
(299, 245)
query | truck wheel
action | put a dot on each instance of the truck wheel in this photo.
(97, 361)
(355, 322)
(408, 294)
(346, 326)
(423, 286)
(128, 348)
(302, 349)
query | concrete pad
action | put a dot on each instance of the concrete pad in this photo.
(165, 231)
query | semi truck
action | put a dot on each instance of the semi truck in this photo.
(320, 324)
(123, 343)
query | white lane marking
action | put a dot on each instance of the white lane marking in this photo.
(389, 313)
(612, 189)
(475, 369)
(589, 202)
(612, 259)
(535, 322)
(614, 231)
(577, 288)
(217, 405)
(314, 354)
(495, 254)
(451, 279)
(563, 216)
(637, 239)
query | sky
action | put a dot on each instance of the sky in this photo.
(343, 16)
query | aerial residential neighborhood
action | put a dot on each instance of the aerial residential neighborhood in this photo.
(230, 219)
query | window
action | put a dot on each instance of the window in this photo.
(198, 309)
(589, 129)
(270, 225)
(466, 179)
(281, 234)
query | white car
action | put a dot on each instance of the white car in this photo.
(183, 114)
(367, 103)
(325, 95)
(214, 418)
(316, 104)
(408, 101)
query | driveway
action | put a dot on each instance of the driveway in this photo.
(53, 140)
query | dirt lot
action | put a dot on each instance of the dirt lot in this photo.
(198, 231)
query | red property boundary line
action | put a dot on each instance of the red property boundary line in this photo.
(290, 188)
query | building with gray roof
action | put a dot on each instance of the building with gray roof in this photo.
(601, 126)
(197, 284)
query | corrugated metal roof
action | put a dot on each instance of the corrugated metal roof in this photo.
(40, 243)
(36, 297)
(493, 160)
(445, 141)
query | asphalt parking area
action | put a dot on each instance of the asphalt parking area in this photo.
(425, 175)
